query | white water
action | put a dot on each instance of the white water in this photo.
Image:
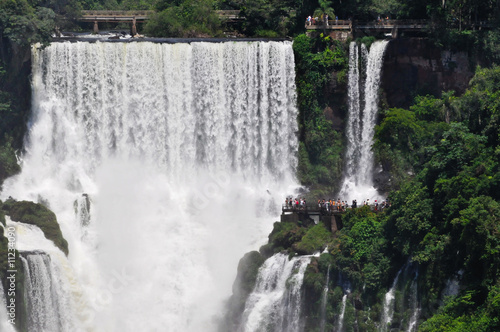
(414, 305)
(52, 294)
(324, 300)
(183, 149)
(275, 303)
(358, 181)
(388, 310)
(47, 310)
(342, 312)
(452, 287)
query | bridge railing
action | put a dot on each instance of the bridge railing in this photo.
(330, 22)
(354, 24)
(117, 12)
(315, 208)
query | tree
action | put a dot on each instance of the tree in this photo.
(188, 19)
(323, 11)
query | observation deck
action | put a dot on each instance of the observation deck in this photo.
(313, 213)
(386, 26)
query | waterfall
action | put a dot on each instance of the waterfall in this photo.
(342, 312)
(388, 310)
(183, 151)
(324, 300)
(414, 305)
(52, 297)
(46, 306)
(452, 287)
(275, 302)
(358, 180)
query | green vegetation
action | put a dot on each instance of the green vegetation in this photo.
(443, 224)
(38, 215)
(315, 239)
(191, 18)
(442, 152)
(8, 160)
(320, 149)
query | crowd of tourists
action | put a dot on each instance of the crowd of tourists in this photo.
(319, 20)
(332, 205)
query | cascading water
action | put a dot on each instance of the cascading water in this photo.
(388, 309)
(158, 160)
(340, 324)
(452, 287)
(324, 300)
(44, 296)
(414, 305)
(358, 181)
(275, 302)
(50, 293)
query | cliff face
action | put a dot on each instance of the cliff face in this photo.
(416, 67)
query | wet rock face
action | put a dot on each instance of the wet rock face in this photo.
(416, 67)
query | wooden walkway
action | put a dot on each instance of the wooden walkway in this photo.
(133, 17)
(114, 15)
(375, 25)
(392, 26)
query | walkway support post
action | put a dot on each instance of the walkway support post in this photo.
(134, 28)
(96, 26)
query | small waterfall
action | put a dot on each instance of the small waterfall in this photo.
(47, 305)
(54, 301)
(452, 286)
(82, 209)
(414, 305)
(275, 303)
(388, 311)
(324, 300)
(342, 312)
(358, 181)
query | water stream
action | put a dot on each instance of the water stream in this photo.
(363, 94)
(164, 164)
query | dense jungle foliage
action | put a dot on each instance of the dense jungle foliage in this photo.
(443, 226)
(319, 62)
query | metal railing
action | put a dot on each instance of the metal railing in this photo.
(379, 24)
(117, 12)
(327, 209)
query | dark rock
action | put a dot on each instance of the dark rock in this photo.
(358, 304)
(38, 215)
(382, 181)
(248, 269)
(416, 66)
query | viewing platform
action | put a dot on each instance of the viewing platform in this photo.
(378, 25)
(342, 29)
(313, 213)
(352, 28)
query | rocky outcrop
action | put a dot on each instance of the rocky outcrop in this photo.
(36, 214)
(417, 67)
(248, 269)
